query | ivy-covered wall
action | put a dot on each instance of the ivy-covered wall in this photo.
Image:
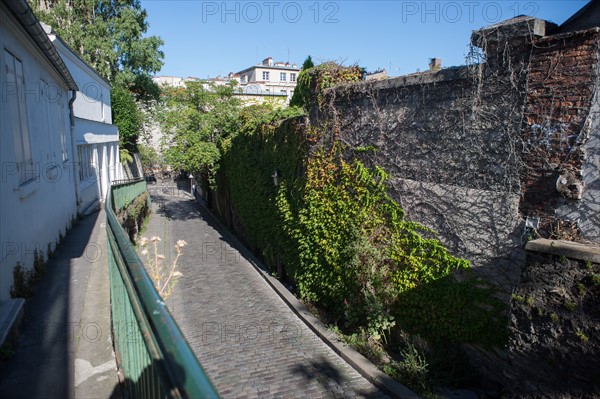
(332, 231)
(378, 172)
(473, 151)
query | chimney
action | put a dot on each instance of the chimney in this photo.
(268, 61)
(435, 64)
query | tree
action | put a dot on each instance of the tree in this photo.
(308, 63)
(301, 94)
(127, 117)
(110, 36)
(197, 120)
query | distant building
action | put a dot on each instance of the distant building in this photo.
(380, 74)
(269, 78)
(253, 85)
(435, 64)
(172, 81)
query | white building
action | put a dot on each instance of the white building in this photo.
(269, 78)
(96, 138)
(37, 191)
(265, 80)
(58, 147)
(173, 81)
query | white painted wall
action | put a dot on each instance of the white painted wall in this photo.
(94, 130)
(32, 214)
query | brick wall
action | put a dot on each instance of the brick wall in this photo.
(558, 117)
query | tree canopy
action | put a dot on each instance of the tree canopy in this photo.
(196, 120)
(302, 91)
(110, 36)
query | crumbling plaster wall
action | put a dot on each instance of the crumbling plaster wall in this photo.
(454, 141)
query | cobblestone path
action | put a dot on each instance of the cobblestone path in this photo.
(247, 339)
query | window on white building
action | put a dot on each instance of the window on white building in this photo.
(62, 129)
(85, 153)
(282, 76)
(265, 75)
(49, 122)
(17, 111)
(292, 77)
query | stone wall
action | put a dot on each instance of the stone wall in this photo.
(554, 329)
(462, 144)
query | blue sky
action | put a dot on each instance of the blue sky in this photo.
(208, 38)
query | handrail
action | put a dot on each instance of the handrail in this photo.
(170, 367)
(122, 197)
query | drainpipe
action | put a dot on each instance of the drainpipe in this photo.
(74, 145)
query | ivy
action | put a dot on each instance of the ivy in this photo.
(344, 243)
(313, 80)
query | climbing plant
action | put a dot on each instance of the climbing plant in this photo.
(314, 80)
(343, 242)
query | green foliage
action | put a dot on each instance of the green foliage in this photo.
(108, 35)
(301, 95)
(357, 253)
(342, 240)
(308, 63)
(518, 298)
(198, 120)
(127, 117)
(446, 310)
(125, 156)
(149, 156)
(315, 80)
(582, 336)
(366, 347)
(25, 280)
(21, 287)
(412, 369)
(263, 145)
(345, 243)
(134, 215)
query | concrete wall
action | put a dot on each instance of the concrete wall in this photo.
(34, 213)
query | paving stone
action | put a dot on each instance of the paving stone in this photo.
(247, 339)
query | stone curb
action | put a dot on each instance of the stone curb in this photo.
(360, 363)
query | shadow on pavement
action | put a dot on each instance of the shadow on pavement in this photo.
(42, 365)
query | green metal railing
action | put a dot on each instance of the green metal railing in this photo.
(152, 353)
(125, 191)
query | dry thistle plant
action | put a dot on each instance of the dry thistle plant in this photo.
(163, 275)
